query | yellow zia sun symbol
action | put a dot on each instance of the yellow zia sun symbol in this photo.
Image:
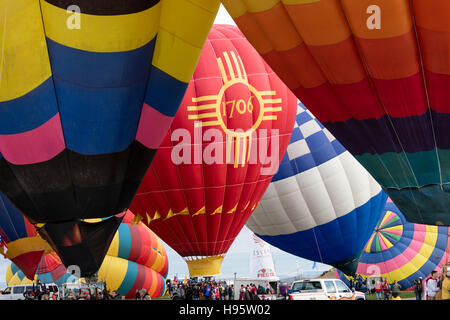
(211, 111)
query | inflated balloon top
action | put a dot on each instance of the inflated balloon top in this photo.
(223, 147)
(376, 74)
(321, 205)
(88, 89)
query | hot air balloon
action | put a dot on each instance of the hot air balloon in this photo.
(135, 260)
(322, 205)
(88, 90)
(376, 74)
(402, 251)
(25, 247)
(223, 147)
(50, 270)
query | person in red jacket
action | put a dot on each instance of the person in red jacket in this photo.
(378, 289)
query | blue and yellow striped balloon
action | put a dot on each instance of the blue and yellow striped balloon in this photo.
(88, 90)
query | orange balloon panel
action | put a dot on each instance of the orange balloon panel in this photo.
(224, 145)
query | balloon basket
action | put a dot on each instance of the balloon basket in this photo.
(203, 267)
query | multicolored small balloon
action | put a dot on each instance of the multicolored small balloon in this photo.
(402, 251)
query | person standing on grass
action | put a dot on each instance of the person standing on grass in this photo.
(396, 289)
(432, 286)
(378, 289)
(364, 289)
(386, 290)
(418, 288)
(445, 283)
(207, 291)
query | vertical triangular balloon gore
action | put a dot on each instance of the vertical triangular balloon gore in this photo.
(28, 262)
(24, 246)
(82, 244)
(88, 90)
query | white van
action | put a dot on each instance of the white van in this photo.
(323, 289)
(16, 292)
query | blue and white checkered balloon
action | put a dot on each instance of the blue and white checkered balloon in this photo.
(321, 205)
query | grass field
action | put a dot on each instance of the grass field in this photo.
(166, 297)
(403, 295)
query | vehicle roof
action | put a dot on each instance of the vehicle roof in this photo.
(30, 285)
(317, 279)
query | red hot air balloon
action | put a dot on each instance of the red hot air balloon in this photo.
(225, 143)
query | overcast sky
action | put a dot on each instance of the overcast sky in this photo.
(223, 17)
(238, 258)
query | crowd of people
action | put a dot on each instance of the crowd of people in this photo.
(250, 292)
(40, 291)
(96, 295)
(381, 288)
(212, 290)
(386, 291)
(104, 294)
(434, 287)
(206, 290)
(437, 285)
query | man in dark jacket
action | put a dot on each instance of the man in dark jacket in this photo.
(247, 294)
(196, 293)
(28, 295)
(418, 288)
(231, 292)
(189, 292)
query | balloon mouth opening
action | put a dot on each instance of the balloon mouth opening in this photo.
(81, 243)
(204, 267)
